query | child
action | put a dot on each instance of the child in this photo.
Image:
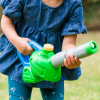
(44, 21)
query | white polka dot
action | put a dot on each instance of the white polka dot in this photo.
(53, 92)
(10, 96)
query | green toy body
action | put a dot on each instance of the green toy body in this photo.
(41, 68)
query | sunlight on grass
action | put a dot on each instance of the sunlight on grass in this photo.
(87, 87)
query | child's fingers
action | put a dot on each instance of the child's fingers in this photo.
(73, 60)
(25, 53)
(65, 62)
(69, 60)
(29, 49)
(78, 61)
(27, 39)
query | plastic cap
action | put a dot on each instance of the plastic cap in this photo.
(48, 47)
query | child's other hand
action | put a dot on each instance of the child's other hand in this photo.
(22, 46)
(72, 62)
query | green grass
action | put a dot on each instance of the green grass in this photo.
(87, 87)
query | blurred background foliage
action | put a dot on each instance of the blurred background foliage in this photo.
(91, 10)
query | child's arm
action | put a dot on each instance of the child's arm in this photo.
(69, 42)
(20, 43)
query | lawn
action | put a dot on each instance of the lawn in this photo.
(87, 87)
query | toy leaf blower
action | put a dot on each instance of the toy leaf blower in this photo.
(43, 64)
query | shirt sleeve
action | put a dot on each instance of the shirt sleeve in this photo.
(4, 3)
(75, 24)
(14, 10)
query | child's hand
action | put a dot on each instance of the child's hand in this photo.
(72, 62)
(22, 46)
